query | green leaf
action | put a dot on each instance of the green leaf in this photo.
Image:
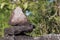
(25, 5)
(2, 5)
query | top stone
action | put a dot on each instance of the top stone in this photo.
(18, 17)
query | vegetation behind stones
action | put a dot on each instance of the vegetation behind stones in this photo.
(44, 14)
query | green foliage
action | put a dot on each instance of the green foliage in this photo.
(44, 15)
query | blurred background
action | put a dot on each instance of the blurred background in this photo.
(44, 14)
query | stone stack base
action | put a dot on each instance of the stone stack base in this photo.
(45, 37)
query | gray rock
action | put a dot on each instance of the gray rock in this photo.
(44, 37)
(18, 29)
(9, 38)
(18, 17)
(23, 38)
(48, 37)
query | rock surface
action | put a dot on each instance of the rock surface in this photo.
(44, 37)
(18, 17)
(18, 29)
(48, 37)
(23, 38)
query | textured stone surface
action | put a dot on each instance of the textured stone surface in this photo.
(44, 37)
(18, 29)
(48, 37)
(18, 17)
(9, 38)
(23, 38)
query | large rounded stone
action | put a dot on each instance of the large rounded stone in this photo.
(18, 29)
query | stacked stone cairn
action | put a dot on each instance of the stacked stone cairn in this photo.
(20, 25)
